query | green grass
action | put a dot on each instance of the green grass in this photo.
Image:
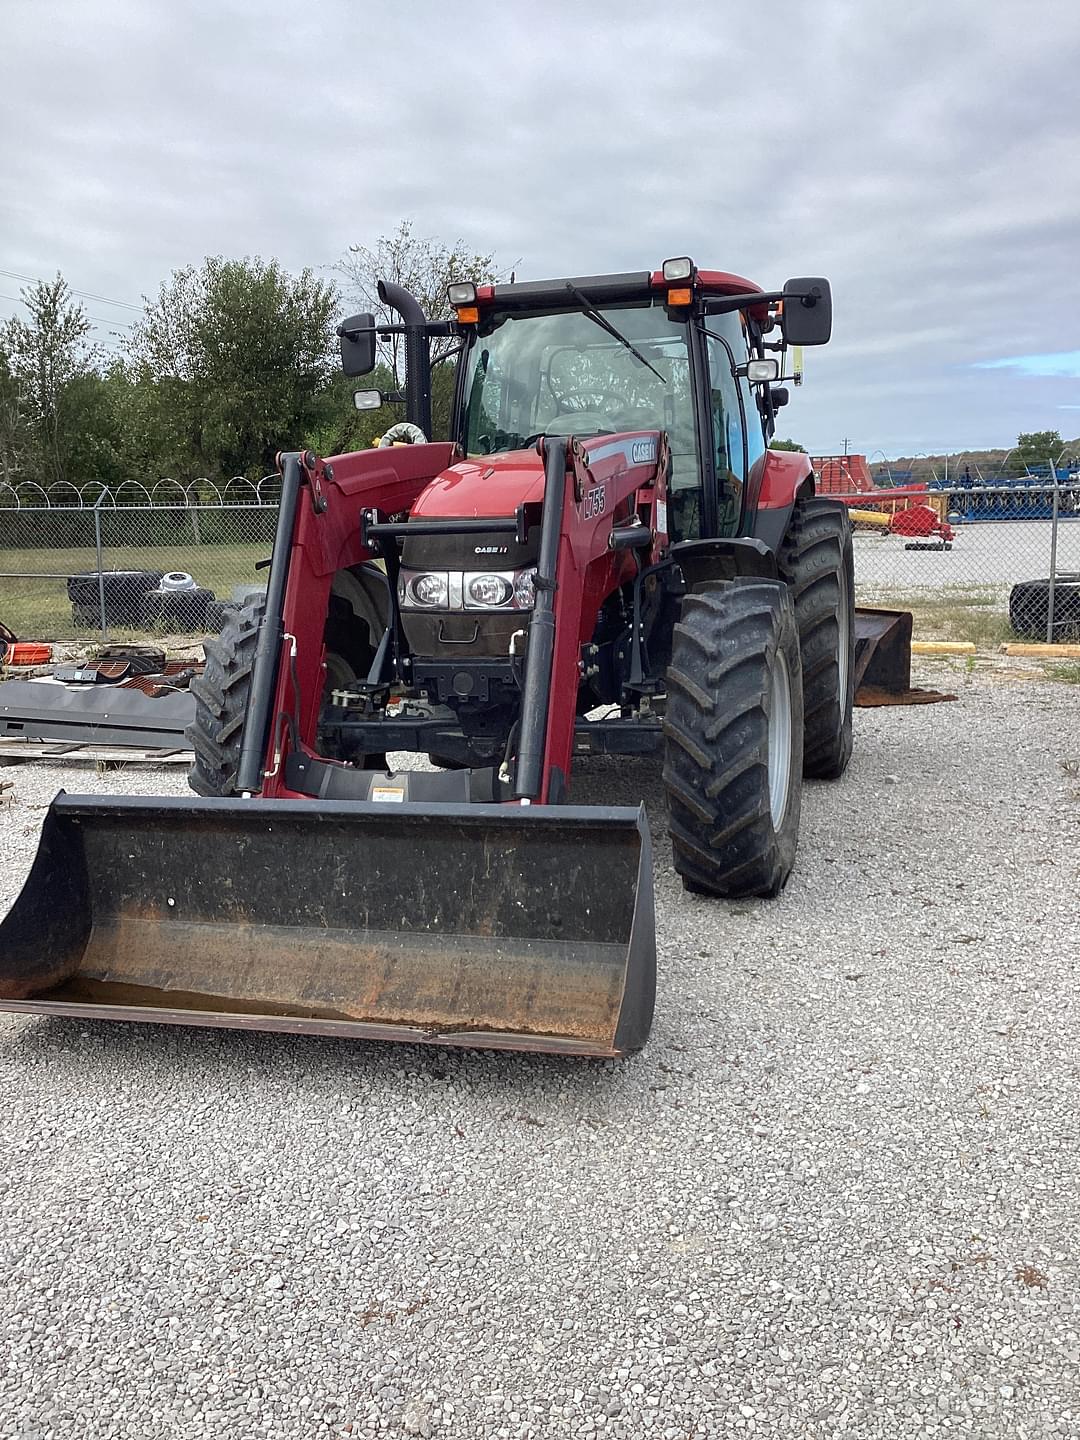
(41, 610)
(971, 613)
(1067, 671)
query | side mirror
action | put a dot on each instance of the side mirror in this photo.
(367, 399)
(807, 311)
(780, 396)
(358, 344)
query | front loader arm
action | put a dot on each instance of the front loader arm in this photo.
(318, 534)
(601, 474)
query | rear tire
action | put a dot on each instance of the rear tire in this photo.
(734, 739)
(223, 690)
(816, 560)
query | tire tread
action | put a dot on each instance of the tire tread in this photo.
(716, 729)
(814, 552)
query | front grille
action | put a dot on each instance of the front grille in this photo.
(486, 633)
(470, 552)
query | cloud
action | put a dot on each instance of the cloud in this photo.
(1061, 362)
(918, 155)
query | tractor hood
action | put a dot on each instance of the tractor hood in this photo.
(487, 488)
(492, 485)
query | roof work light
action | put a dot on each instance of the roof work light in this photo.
(461, 292)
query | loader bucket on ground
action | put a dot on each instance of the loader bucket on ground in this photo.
(883, 660)
(883, 649)
(514, 927)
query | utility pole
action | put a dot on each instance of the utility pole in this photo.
(847, 442)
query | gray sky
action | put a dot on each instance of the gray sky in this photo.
(926, 157)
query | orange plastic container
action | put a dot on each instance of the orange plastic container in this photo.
(22, 652)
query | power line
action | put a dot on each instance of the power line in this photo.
(123, 324)
(83, 294)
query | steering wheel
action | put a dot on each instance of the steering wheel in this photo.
(579, 398)
(499, 440)
(403, 433)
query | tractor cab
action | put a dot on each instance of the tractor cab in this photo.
(531, 374)
(680, 350)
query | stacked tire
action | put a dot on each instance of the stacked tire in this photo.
(177, 610)
(122, 592)
(1029, 609)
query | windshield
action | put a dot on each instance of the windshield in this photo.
(562, 374)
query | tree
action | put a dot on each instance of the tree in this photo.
(424, 267)
(116, 438)
(1036, 448)
(45, 359)
(787, 445)
(235, 357)
(12, 426)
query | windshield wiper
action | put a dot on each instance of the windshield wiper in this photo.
(605, 324)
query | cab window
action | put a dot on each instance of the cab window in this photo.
(727, 418)
(559, 373)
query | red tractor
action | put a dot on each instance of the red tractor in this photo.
(604, 558)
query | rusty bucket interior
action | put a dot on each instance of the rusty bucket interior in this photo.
(515, 927)
(883, 650)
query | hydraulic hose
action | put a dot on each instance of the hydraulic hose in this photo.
(264, 670)
(536, 691)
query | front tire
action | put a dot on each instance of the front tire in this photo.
(734, 739)
(816, 560)
(223, 690)
(221, 695)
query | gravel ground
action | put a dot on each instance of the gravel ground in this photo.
(836, 1194)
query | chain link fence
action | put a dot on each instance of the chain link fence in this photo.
(974, 562)
(979, 563)
(135, 562)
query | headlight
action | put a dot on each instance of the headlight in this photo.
(487, 592)
(524, 589)
(469, 590)
(425, 590)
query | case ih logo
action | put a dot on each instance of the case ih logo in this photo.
(491, 550)
(643, 452)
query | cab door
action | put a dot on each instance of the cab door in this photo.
(735, 423)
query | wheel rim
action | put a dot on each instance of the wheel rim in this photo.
(844, 660)
(779, 738)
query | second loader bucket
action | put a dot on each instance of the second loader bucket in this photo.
(514, 927)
